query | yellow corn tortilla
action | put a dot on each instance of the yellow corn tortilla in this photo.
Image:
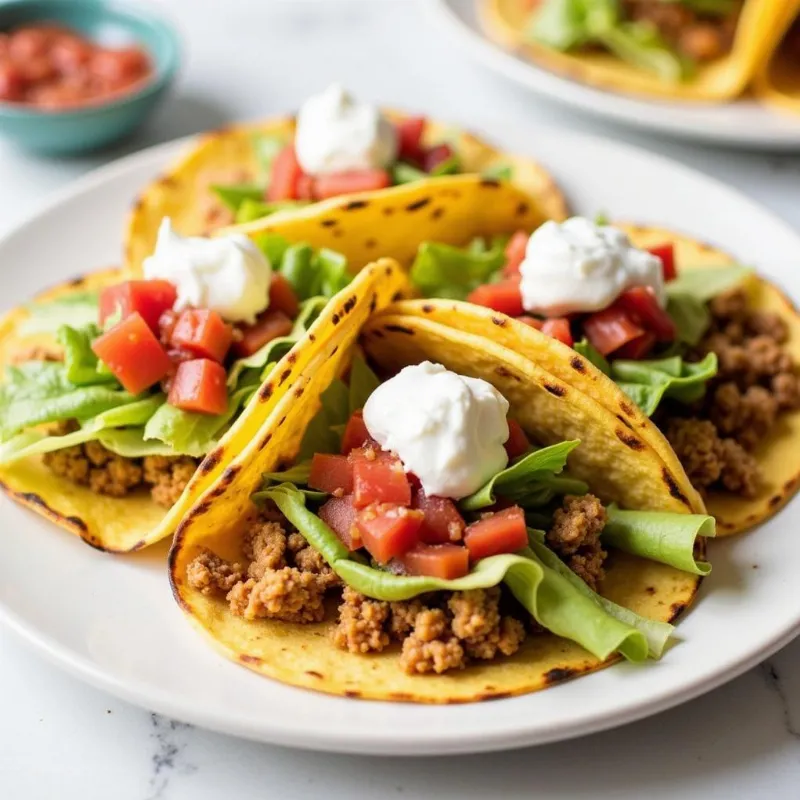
(507, 20)
(304, 655)
(776, 456)
(777, 82)
(135, 521)
(227, 156)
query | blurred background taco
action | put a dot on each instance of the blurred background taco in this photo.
(777, 82)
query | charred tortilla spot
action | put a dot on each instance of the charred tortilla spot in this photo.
(624, 421)
(353, 205)
(629, 440)
(388, 270)
(371, 244)
(373, 303)
(312, 337)
(265, 441)
(350, 304)
(399, 329)
(328, 223)
(403, 697)
(490, 183)
(246, 658)
(199, 510)
(522, 209)
(490, 695)
(285, 375)
(377, 334)
(576, 362)
(229, 474)
(499, 321)
(555, 389)
(398, 295)
(265, 392)
(76, 282)
(559, 674)
(79, 523)
(388, 211)
(672, 485)
(298, 392)
(751, 518)
(34, 500)
(418, 204)
(280, 423)
(352, 693)
(292, 357)
(334, 351)
(427, 308)
(335, 319)
(313, 673)
(650, 590)
(504, 372)
(676, 609)
(437, 213)
(627, 408)
(337, 233)
(210, 461)
(789, 485)
(775, 499)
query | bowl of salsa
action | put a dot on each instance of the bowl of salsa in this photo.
(81, 74)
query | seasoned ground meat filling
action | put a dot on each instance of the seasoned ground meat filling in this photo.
(107, 473)
(757, 380)
(575, 537)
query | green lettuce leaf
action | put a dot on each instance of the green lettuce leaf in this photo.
(323, 433)
(252, 209)
(233, 195)
(691, 317)
(82, 365)
(406, 173)
(705, 284)
(314, 272)
(266, 147)
(591, 354)
(499, 172)
(77, 310)
(363, 382)
(520, 479)
(666, 538)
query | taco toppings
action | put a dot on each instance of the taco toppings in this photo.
(682, 343)
(422, 523)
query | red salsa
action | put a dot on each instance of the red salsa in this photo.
(54, 68)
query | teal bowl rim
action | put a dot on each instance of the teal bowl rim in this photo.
(163, 75)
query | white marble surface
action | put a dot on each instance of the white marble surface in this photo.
(61, 739)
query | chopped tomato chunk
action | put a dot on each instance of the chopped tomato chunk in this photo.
(13, 82)
(446, 561)
(437, 155)
(640, 302)
(282, 296)
(532, 322)
(339, 514)
(558, 328)
(501, 532)
(350, 182)
(504, 297)
(388, 530)
(331, 473)
(304, 188)
(285, 176)
(637, 348)
(166, 324)
(409, 139)
(203, 333)
(270, 325)
(355, 432)
(517, 442)
(380, 481)
(149, 298)
(515, 253)
(199, 385)
(609, 329)
(133, 354)
(666, 252)
(442, 521)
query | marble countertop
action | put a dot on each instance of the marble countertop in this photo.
(62, 739)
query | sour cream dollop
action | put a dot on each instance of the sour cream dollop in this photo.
(447, 429)
(228, 274)
(336, 133)
(577, 266)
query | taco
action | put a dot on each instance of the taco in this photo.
(124, 399)
(696, 346)
(688, 50)
(336, 146)
(777, 82)
(435, 507)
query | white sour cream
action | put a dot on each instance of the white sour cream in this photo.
(228, 274)
(577, 266)
(336, 133)
(447, 429)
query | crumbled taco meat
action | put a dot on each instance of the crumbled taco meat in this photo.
(286, 594)
(431, 647)
(361, 623)
(168, 477)
(757, 380)
(212, 575)
(575, 537)
(699, 36)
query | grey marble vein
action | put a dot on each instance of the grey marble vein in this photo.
(170, 738)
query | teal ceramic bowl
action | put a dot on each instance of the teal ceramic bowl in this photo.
(82, 129)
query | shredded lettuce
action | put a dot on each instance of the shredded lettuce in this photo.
(76, 310)
(406, 173)
(83, 367)
(691, 316)
(233, 195)
(499, 172)
(705, 284)
(266, 147)
(252, 209)
(590, 353)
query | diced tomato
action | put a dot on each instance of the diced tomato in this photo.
(388, 530)
(501, 532)
(166, 325)
(640, 302)
(286, 172)
(304, 188)
(331, 473)
(409, 138)
(282, 296)
(558, 328)
(355, 432)
(442, 521)
(339, 514)
(609, 329)
(13, 83)
(532, 322)
(203, 333)
(148, 298)
(339, 183)
(119, 68)
(199, 386)
(517, 442)
(380, 481)
(446, 561)
(133, 354)
(666, 252)
(637, 348)
(504, 297)
(437, 155)
(515, 253)
(270, 325)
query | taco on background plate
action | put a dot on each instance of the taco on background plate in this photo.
(459, 526)
(335, 146)
(777, 82)
(685, 50)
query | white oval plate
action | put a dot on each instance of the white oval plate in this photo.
(111, 620)
(742, 123)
